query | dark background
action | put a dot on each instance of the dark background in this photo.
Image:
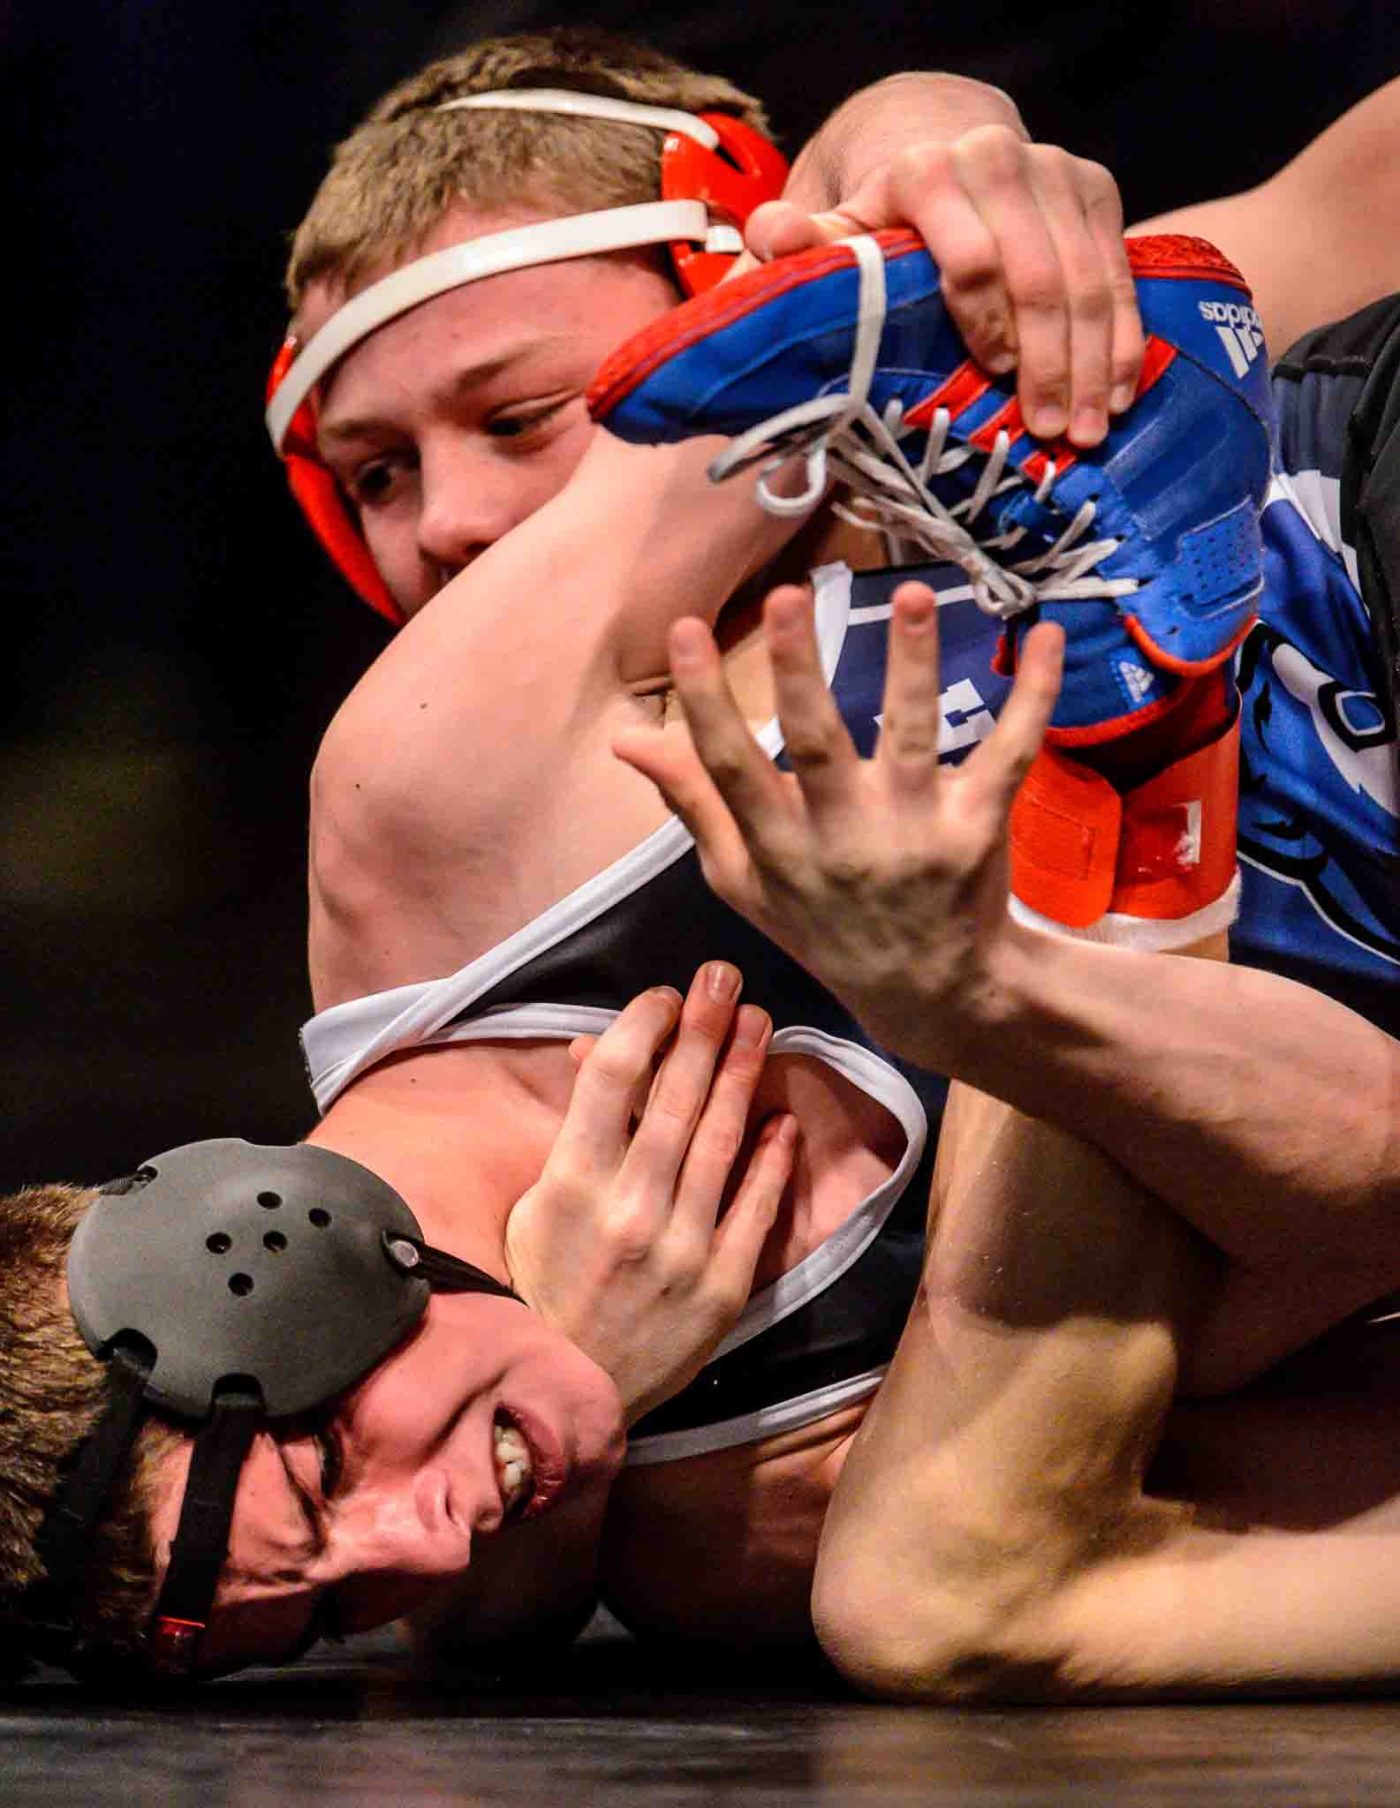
(174, 642)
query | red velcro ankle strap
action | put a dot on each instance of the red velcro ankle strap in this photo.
(1065, 828)
(1177, 852)
(1162, 851)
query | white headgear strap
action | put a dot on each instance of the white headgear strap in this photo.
(544, 242)
(586, 106)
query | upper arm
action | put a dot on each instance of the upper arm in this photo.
(1317, 240)
(410, 842)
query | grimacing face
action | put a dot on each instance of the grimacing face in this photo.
(453, 423)
(446, 428)
(482, 1418)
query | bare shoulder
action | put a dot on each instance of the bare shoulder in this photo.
(722, 1547)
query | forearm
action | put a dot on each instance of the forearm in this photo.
(1260, 1110)
(1002, 1460)
(584, 592)
(636, 537)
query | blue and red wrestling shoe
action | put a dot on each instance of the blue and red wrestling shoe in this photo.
(1146, 548)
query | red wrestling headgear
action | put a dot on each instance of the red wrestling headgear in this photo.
(714, 171)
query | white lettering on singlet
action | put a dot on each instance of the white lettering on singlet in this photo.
(964, 718)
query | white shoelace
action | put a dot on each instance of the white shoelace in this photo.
(845, 439)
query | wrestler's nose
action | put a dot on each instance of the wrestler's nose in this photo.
(412, 1526)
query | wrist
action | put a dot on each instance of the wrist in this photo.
(976, 1023)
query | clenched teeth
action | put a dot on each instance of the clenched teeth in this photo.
(514, 1470)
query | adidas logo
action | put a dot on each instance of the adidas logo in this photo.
(1136, 679)
(1238, 327)
(1243, 345)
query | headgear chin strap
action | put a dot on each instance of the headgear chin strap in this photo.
(226, 1284)
(714, 171)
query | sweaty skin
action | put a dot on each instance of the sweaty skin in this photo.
(419, 867)
(1025, 1512)
(453, 434)
(558, 810)
(473, 1462)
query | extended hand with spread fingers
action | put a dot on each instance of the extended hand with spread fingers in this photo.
(885, 877)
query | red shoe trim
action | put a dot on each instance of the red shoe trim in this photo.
(1006, 420)
(968, 384)
(1058, 452)
(1094, 734)
(1161, 255)
(1176, 254)
(636, 358)
(1157, 357)
(1188, 668)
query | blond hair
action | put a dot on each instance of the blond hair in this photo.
(52, 1392)
(396, 175)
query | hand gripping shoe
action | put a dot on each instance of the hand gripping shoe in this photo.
(1146, 549)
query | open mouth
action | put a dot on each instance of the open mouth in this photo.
(515, 1467)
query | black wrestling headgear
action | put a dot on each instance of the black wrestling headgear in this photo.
(225, 1284)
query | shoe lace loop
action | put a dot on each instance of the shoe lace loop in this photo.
(843, 438)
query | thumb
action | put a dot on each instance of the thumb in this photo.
(779, 229)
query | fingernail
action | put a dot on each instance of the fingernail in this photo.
(750, 1027)
(1088, 427)
(1121, 399)
(688, 639)
(669, 993)
(786, 608)
(722, 981)
(916, 611)
(1047, 422)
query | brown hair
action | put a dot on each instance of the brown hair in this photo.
(52, 1391)
(396, 175)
